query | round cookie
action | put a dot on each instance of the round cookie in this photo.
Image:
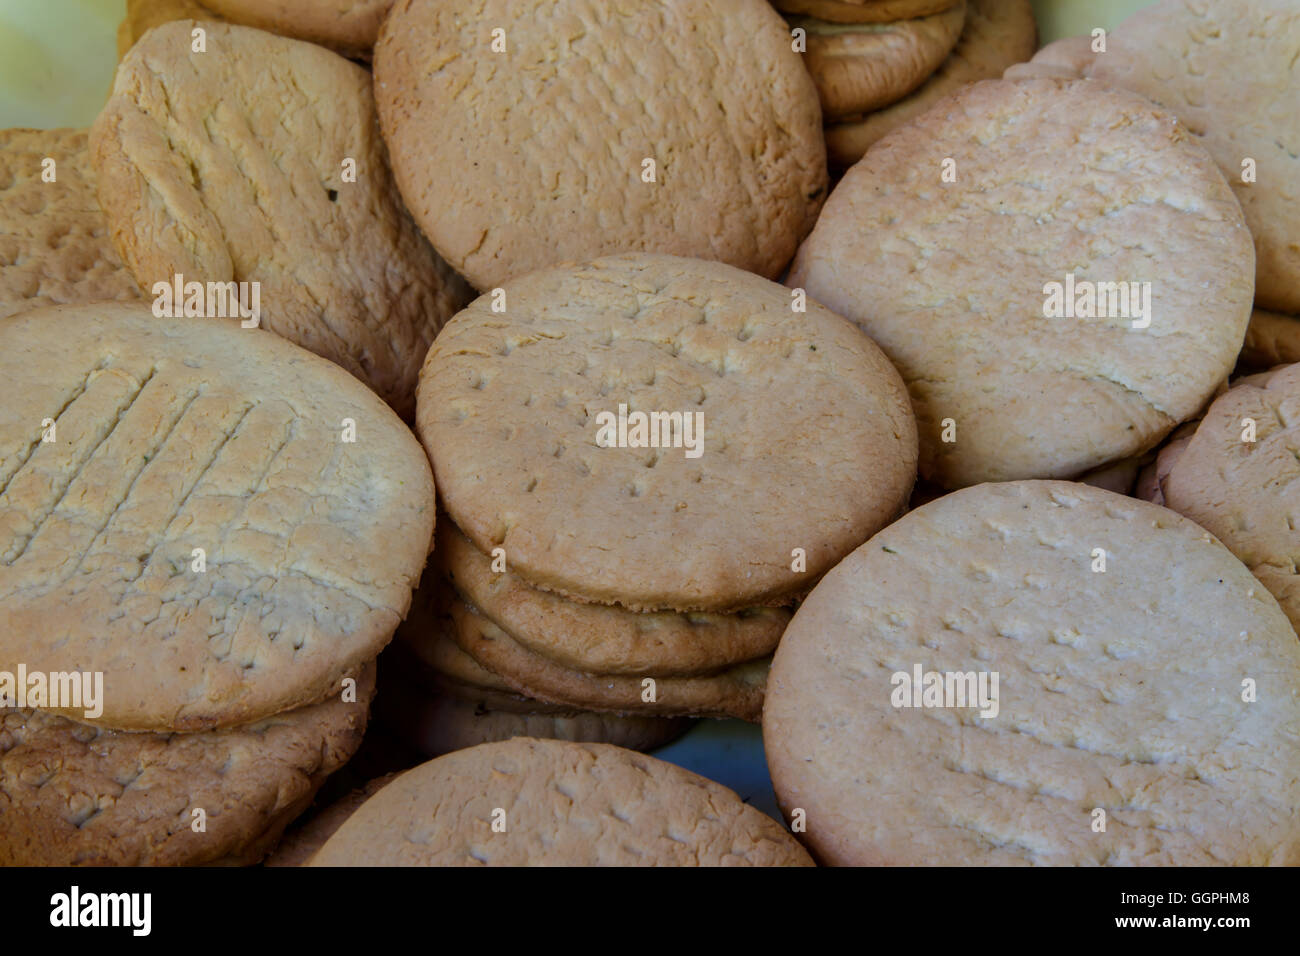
(600, 638)
(865, 66)
(1119, 691)
(1069, 57)
(734, 692)
(171, 435)
(710, 92)
(564, 804)
(864, 11)
(143, 15)
(54, 245)
(963, 283)
(1243, 491)
(1271, 339)
(1222, 65)
(997, 33)
(347, 26)
(807, 437)
(74, 795)
(216, 169)
(300, 844)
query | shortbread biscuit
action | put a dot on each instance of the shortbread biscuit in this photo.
(952, 279)
(217, 169)
(1120, 691)
(807, 434)
(54, 245)
(866, 66)
(73, 795)
(683, 126)
(563, 804)
(1069, 57)
(171, 435)
(1271, 339)
(1226, 68)
(601, 638)
(143, 15)
(1119, 476)
(300, 845)
(734, 692)
(997, 34)
(864, 11)
(1235, 477)
(348, 26)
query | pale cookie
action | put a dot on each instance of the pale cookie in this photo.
(561, 804)
(682, 126)
(1123, 692)
(1236, 477)
(1271, 339)
(54, 245)
(300, 845)
(1069, 58)
(348, 26)
(864, 11)
(963, 283)
(865, 66)
(807, 439)
(601, 638)
(997, 33)
(73, 795)
(1228, 69)
(143, 15)
(214, 168)
(166, 436)
(734, 692)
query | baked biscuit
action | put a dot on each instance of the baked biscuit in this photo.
(555, 803)
(864, 11)
(54, 245)
(1271, 339)
(300, 845)
(346, 26)
(1068, 57)
(684, 126)
(180, 511)
(1121, 692)
(143, 15)
(957, 280)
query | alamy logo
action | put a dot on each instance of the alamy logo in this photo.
(213, 300)
(1084, 299)
(946, 689)
(57, 690)
(651, 430)
(74, 908)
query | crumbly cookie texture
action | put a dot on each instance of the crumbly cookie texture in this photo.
(709, 92)
(170, 435)
(807, 436)
(866, 66)
(563, 804)
(346, 26)
(1242, 490)
(54, 244)
(951, 279)
(74, 795)
(996, 34)
(1119, 691)
(216, 169)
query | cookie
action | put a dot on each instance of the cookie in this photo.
(601, 638)
(54, 245)
(1068, 57)
(806, 441)
(171, 435)
(1118, 477)
(143, 15)
(1189, 55)
(684, 126)
(1118, 692)
(864, 11)
(74, 795)
(218, 170)
(964, 283)
(866, 66)
(561, 804)
(300, 844)
(1271, 339)
(1235, 478)
(734, 692)
(346, 26)
(996, 34)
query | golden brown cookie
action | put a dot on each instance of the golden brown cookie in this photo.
(346, 26)
(864, 11)
(54, 245)
(143, 15)
(1271, 339)
(300, 844)
(546, 802)
(180, 510)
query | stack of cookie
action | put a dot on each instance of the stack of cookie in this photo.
(645, 461)
(879, 64)
(201, 561)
